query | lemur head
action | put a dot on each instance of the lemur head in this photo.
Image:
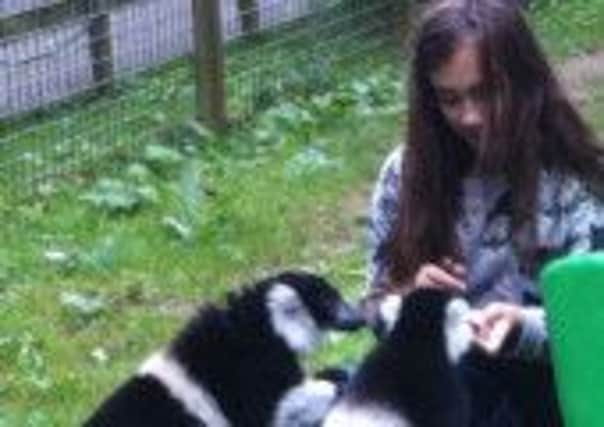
(302, 306)
(430, 314)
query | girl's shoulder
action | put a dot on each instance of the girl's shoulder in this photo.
(567, 192)
(394, 159)
(390, 171)
(387, 187)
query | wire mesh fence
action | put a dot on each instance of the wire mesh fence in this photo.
(80, 79)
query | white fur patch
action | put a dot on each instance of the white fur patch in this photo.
(458, 332)
(291, 319)
(305, 404)
(346, 415)
(390, 309)
(197, 401)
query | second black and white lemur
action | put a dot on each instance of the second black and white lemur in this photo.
(411, 378)
(230, 366)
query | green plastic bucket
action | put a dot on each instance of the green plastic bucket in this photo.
(573, 289)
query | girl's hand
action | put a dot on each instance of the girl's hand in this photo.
(445, 275)
(493, 325)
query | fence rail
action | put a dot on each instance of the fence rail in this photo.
(83, 78)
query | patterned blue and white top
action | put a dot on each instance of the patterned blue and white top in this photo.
(568, 213)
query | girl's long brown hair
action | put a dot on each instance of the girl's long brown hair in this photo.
(531, 126)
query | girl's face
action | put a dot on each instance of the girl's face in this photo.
(461, 92)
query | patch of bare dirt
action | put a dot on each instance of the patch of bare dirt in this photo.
(580, 72)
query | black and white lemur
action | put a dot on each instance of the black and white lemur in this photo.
(231, 365)
(411, 378)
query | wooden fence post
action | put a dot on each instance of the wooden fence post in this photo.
(209, 63)
(99, 42)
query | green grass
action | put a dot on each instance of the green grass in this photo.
(569, 27)
(287, 191)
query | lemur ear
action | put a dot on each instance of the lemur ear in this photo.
(381, 310)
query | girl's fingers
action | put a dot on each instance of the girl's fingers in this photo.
(455, 268)
(492, 342)
(492, 325)
(434, 276)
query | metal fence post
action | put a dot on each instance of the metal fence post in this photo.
(250, 16)
(209, 63)
(101, 51)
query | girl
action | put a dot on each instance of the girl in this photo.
(495, 179)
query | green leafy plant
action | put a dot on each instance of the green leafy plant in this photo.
(117, 196)
(189, 198)
(161, 158)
